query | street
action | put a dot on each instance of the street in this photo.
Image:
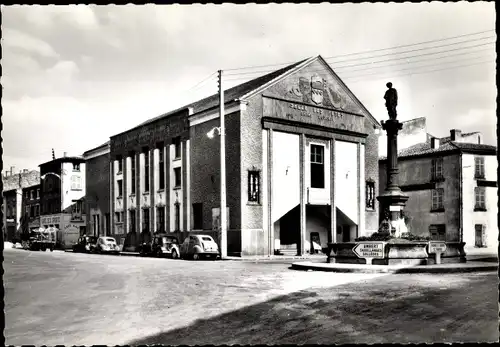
(81, 299)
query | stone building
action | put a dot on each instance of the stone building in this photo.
(97, 183)
(451, 183)
(13, 200)
(301, 158)
(31, 208)
(62, 183)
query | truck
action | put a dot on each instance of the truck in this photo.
(42, 239)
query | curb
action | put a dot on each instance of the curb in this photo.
(460, 268)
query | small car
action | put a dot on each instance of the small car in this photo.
(161, 245)
(85, 244)
(106, 244)
(198, 246)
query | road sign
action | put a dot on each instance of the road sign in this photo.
(396, 208)
(436, 248)
(369, 250)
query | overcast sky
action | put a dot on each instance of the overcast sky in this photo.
(75, 75)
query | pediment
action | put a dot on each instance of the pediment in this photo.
(316, 85)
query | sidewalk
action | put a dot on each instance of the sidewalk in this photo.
(470, 266)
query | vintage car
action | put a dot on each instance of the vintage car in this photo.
(162, 245)
(199, 246)
(106, 244)
(85, 244)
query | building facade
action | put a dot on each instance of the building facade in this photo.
(97, 181)
(31, 208)
(452, 187)
(62, 183)
(14, 186)
(301, 166)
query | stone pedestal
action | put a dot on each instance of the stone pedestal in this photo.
(393, 200)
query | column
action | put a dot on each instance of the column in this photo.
(152, 191)
(303, 196)
(126, 164)
(188, 185)
(332, 236)
(362, 190)
(111, 199)
(266, 190)
(168, 168)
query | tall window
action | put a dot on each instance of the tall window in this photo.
(160, 222)
(118, 217)
(253, 186)
(480, 198)
(161, 153)
(27, 211)
(437, 199)
(177, 176)
(145, 219)
(132, 173)
(317, 166)
(27, 194)
(177, 216)
(76, 182)
(131, 215)
(437, 232)
(370, 195)
(198, 216)
(38, 193)
(480, 237)
(479, 167)
(437, 169)
(176, 141)
(120, 187)
(146, 169)
(120, 164)
(32, 194)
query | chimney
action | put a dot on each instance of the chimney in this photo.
(25, 170)
(434, 143)
(65, 154)
(12, 168)
(455, 134)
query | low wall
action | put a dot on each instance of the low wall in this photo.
(411, 253)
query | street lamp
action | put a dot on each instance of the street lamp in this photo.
(223, 211)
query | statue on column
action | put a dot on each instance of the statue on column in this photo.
(391, 101)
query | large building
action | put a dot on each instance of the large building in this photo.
(62, 182)
(301, 158)
(451, 183)
(14, 199)
(31, 208)
(97, 190)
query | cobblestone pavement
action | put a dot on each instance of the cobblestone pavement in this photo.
(80, 299)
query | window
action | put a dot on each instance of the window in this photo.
(131, 215)
(120, 187)
(317, 166)
(96, 224)
(37, 210)
(118, 217)
(437, 169)
(38, 193)
(253, 186)
(161, 154)
(437, 232)
(177, 176)
(76, 166)
(76, 182)
(370, 195)
(27, 211)
(160, 221)
(27, 194)
(32, 194)
(177, 216)
(132, 173)
(480, 236)
(146, 169)
(120, 164)
(437, 199)
(479, 167)
(145, 219)
(176, 141)
(480, 199)
(198, 216)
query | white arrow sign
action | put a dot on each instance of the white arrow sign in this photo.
(369, 250)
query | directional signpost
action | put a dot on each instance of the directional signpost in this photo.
(369, 251)
(437, 248)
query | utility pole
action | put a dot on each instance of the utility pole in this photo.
(223, 211)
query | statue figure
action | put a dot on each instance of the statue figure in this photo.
(391, 100)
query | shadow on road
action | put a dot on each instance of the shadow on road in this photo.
(357, 313)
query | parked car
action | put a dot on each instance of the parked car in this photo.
(106, 244)
(198, 246)
(162, 245)
(86, 244)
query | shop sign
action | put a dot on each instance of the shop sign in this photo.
(50, 220)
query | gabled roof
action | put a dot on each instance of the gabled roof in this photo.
(65, 160)
(105, 144)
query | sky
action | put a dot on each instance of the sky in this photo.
(75, 75)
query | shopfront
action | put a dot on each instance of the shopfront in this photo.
(68, 230)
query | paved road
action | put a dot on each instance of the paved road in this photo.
(78, 299)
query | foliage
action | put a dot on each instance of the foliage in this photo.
(412, 237)
(385, 236)
(377, 236)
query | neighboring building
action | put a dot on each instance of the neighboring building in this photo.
(13, 184)
(301, 159)
(62, 198)
(31, 207)
(97, 190)
(452, 187)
